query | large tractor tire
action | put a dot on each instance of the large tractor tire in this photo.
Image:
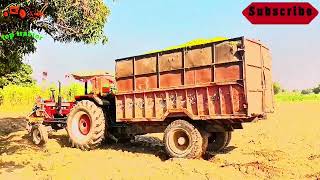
(86, 125)
(183, 140)
(218, 141)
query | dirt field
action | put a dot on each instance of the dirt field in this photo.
(285, 146)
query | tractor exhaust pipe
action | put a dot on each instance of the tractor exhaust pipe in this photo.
(59, 98)
(52, 95)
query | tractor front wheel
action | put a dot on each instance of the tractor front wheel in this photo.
(39, 134)
(5, 14)
(86, 125)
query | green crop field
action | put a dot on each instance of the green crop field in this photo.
(296, 97)
(21, 99)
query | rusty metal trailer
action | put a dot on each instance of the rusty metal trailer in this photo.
(227, 80)
(212, 87)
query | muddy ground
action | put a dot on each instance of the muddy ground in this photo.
(285, 146)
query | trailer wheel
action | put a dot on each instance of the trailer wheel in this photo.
(218, 141)
(86, 125)
(183, 140)
(39, 134)
(205, 140)
(229, 139)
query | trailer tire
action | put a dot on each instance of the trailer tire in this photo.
(218, 141)
(205, 140)
(86, 125)
(183, 140)
(229, 139)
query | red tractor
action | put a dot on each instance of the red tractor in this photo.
(48, 115)
(23, 11)
(14, 9)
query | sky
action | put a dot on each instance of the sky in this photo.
(136, 27)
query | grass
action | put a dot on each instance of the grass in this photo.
(296, 97)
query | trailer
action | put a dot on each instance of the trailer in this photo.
(213, 87)
(196, 95)
(224, 80)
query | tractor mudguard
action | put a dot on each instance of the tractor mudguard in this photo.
(98, 100)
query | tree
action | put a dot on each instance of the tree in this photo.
(75, 20)
(20, 77)
(63, 20)
(276, 87)
(316, 90)
(306, 91)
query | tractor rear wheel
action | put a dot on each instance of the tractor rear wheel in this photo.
(183, 140)
(86, 125)
(219, 140)
(22, 13)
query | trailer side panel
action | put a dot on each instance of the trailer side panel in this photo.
(202, 82)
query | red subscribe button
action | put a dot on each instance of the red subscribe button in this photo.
(280, 12)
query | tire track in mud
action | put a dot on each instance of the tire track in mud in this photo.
(258, 169)
(260, 163)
